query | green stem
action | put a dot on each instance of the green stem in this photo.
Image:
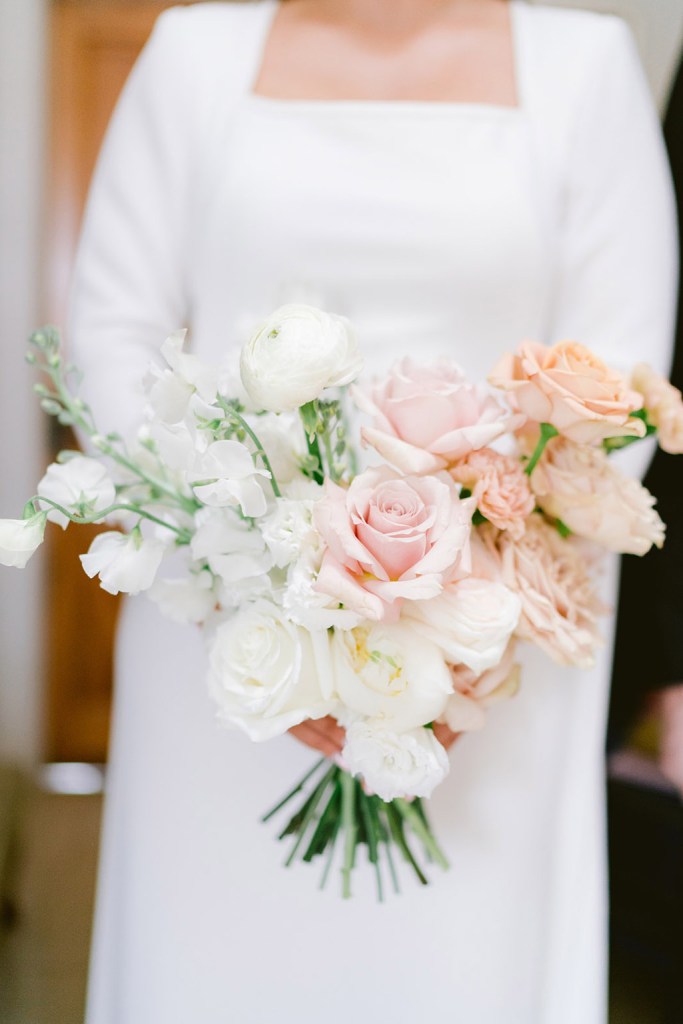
(548, 431)
(260, 450)
(372, 833)
(424, 833)
(292, 793)
(308, 817)
(99, 516)
(348, 785)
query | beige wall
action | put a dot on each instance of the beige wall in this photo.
(22, 60)
(658, 25)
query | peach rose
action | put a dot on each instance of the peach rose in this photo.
(390, 537)
(577, 484)
(664, 406)
(427, 417)
(500, 487)
(473, 695)
(560, 607)
(567, 386)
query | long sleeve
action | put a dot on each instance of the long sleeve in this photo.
(129, 289)
(617, 283)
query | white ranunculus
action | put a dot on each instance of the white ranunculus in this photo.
(471, 621)
(170, 390)
(82, 485)
(267, 674)
(19, 538)
(395, 764)
(295, 354)
(124, 563)
(232, 549)
(226, 475)
(391, 673)
(189, 599)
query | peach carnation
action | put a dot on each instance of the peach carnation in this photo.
(500, 487)
(664, 406)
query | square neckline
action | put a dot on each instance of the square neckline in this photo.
(467, 108)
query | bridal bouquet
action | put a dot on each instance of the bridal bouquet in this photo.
(390, 598)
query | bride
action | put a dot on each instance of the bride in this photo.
(454, 176)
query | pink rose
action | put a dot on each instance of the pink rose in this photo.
(427, 417)
(388, 538)
(473, 694)
(569, 387)
(500, 487)
(664, 406)
(560, 607)
(577, 484)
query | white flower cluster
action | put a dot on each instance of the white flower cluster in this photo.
(389, 599)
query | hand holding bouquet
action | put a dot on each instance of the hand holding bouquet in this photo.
(390, 598)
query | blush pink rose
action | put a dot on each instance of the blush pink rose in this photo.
(389, 538)
(567, 386)
(577, 484)
(473, 694)
(500, 487)
(664, 406)
(427, 417)
(560, 606)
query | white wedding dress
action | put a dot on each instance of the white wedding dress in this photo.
(436, 227)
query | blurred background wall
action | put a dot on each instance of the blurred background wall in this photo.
(25, 282)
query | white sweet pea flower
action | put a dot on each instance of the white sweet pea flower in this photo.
(284, 442)
(190, 599)
(267, 674)
(82, 485)
(391, 673)
(471, 621)
(19, 538)
(226, 475)
(303, 603)
(232, 548)
(170, 390)
(395, 764)
(126, 563)
(295, 354)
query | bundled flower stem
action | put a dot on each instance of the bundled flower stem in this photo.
(339, 805)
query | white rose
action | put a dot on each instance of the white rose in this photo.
(297, 353)
(471, 621)
(186, 600)
(391, 673)
(81, 485)
(126, 563)
(392, 764)
(267, 674)
(19, 538)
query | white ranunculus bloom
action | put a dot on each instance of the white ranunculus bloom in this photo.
(189, 599)
(232, 549)
(19, 538)
(472, 621)
(295, 354)
(124, 563)
(267, 674)
(81, 485)
(391, 673)
(395, 764)
(226, 475)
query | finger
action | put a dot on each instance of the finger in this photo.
(312, 738)
(444, 735)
